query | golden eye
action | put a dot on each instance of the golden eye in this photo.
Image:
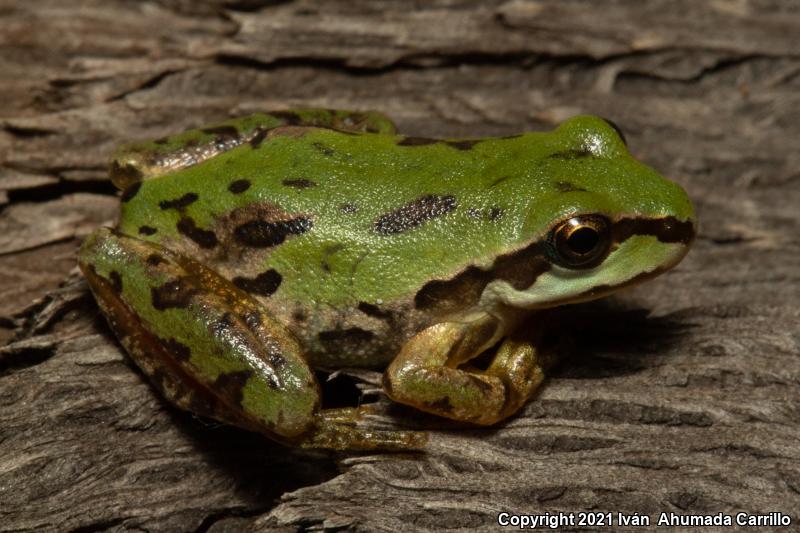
(583, 241)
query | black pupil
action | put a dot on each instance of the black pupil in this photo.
(583, 240)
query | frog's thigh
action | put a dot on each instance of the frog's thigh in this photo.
(208, 347)
(425, 374)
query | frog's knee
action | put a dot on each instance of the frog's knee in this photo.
(398, 382)
(292, 415)
(96, 248)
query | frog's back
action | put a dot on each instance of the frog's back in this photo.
(334, 232)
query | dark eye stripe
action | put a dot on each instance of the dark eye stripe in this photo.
(667, 229)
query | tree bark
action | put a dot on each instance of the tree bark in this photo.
(682, 395)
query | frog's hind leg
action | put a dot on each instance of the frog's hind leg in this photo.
(210, 348)
(336, 429)
(138, 161)
(426, 373)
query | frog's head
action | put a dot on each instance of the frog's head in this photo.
(608, 222)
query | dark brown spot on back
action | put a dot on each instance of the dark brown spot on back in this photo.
(203, 238)
(416, 141)
(264, 284)
(147, 230)
(161, 140)
(179, 203)
(130, 192)
(299, 183)
(239, 186)
(264, 233)
(176, 294)
(415, 214)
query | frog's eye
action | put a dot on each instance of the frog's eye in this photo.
(583, 241)
(617, 129)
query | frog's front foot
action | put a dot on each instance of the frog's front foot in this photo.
(425, 374)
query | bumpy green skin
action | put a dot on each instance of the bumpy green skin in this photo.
(348, 241)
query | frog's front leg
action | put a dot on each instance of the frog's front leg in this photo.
(212, 349)
(137, 161)
(425, 373)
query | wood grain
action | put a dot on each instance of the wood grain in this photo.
(682, 395)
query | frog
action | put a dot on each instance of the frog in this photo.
(252, 253)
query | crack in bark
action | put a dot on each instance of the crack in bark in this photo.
(521, 59)
(422, 61)
(100, 525)
(27, 132)
(252, 6)
(25, 357)
(54, 191)
(150, 83)
(719, 66)
(233, 512)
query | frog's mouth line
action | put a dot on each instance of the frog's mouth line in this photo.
(599, 291)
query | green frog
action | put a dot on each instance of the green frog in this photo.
(252, 251)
